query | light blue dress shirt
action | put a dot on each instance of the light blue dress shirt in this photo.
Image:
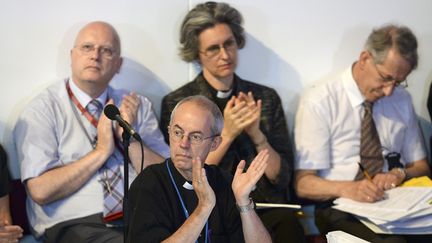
(48, 134)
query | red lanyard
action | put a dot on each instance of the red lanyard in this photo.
(87, 114)
(83, 110)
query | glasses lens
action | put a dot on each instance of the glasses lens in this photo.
(106, 52)
(212, 51)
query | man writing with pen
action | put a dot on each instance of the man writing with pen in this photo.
(348, 131)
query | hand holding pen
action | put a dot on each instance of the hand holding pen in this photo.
(366, 190)
(364, 171)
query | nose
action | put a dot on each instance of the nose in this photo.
(95, 53)
(388, 90)
(223, 52)
(184, 142)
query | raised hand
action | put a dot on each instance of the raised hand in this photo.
(205, 194)
(105, 139)
(237, 116)
(252, 129)
(128, 110)
(244, 182)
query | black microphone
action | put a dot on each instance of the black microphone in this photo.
(113, 113)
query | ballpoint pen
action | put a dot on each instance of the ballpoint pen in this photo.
(365, 173)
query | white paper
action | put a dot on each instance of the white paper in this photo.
(343, 237)
(399, 203)
(406, 210)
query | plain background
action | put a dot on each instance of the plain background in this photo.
(290, 45)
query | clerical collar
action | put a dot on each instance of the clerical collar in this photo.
(224, 94)
(188, 185)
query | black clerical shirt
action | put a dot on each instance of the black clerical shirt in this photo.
(272, 124)
(156, 211)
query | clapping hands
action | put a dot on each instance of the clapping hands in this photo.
(242, 113)
(244, 182)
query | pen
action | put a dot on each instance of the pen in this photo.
(365, 173)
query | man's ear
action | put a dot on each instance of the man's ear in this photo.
(215, 143)
(119, 64)
(364, 57)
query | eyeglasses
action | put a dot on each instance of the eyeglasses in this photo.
(214, 50)
(177, 135)
(389, 80)
(105, 52)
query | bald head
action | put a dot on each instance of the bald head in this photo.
(95, 57)
(100, 27)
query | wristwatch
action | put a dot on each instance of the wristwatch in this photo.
(402, 172)
(246, 208)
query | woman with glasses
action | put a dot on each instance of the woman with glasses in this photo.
(211, 35)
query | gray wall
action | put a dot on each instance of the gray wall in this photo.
(290, 45)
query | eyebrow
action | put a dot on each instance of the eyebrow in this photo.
(93, 44)
(231, 38)
(193, 132)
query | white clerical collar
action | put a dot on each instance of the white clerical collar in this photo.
(223, 94)
(187, 185)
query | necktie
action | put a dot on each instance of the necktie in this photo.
(94, 107)
(110, 174)
(370, 145)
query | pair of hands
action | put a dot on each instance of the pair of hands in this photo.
(128, 111)
(9, 233)
(372, 191)
(242, 113)
(242, 184)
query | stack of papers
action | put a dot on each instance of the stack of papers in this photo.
(405, 210)
(342, 237)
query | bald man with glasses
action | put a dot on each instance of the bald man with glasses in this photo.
(71, 154)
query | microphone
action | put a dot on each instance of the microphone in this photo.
(113, 113)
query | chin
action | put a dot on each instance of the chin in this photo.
(182, 164)
(92, 78)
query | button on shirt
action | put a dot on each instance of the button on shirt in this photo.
(49, 135)
(328, 122)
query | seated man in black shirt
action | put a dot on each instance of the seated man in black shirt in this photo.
(183, 200)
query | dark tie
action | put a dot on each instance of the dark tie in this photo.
(370, 145)
(110, 174)
(94, 107)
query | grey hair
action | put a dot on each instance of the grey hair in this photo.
(202, 17)
(206, 104)
(381, 40)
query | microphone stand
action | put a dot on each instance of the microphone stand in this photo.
(126, 137)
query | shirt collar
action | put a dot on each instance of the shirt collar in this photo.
(179, 180)
(83, 97)
(208, 89)
(352, 90)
